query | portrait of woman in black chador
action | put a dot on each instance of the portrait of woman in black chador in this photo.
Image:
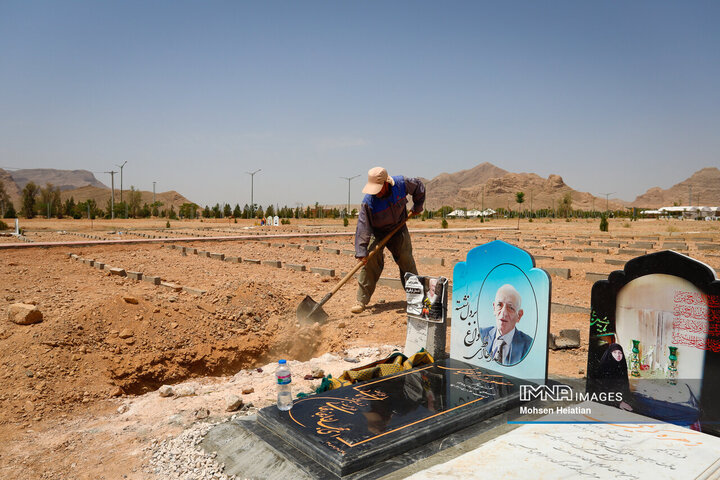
(612, 376)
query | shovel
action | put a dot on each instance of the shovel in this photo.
(311, 310)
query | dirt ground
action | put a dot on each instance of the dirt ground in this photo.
(108, 342)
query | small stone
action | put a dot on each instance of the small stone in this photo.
(125, 333)
(122, 409)
(29, 373)
(173, 325)
(248, 390)
(232, 403)
(341, 325)
(201, 413)
(131, 300)
(116, 392)
(352, 359)
(166, 391)
(259, 370)
(24, 314)
(318, 373)
(185, 391)
(380, 300)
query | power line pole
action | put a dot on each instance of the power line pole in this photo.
(252, 185)
(154, 191)
(347, 211)
(112, 197)
(121, 183)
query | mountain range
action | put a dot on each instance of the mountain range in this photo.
(81, 185)
(487, 185)
(483, 186)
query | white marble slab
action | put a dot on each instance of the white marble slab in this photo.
(588, 451)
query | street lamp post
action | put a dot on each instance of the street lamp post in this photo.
(607, 195)
(347, 211)
(121, 179)
(252, 184)
(112, 196)
(154, 192)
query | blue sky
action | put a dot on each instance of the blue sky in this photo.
(614, 96)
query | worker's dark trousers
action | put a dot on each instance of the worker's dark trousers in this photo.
(401, 248)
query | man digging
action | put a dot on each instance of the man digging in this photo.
(384, 208)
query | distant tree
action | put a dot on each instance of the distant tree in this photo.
(206, 213)
(216, 213)
(237, 213)
(171, 214)
(10, 210)
(603, 222)
(227, 211)
(246, 211)
(156, 208)
(189, 210)
(443, 211)
(69, 207)
(29, 199)
(50, 200)
(270, 212)
(519, 199)
(259, 212)
(565, 207)
(145, 211)
(133, 202)
(4, 199)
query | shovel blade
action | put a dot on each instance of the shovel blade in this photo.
(310, 310)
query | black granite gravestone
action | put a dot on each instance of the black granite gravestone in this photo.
(655, 338)
(353, 427)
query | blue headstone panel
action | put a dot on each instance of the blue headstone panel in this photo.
(500, 311)
(655, 338)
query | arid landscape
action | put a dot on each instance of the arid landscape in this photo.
(80, 388)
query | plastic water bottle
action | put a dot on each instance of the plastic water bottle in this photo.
(284, 378)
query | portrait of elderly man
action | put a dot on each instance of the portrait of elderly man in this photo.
(506, 344)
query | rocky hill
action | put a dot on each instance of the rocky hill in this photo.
(489, 186)
(102, 195)
(10, 187)
(78, 184)
(64, 179)
(703, 185)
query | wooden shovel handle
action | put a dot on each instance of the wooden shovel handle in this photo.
(360, 264)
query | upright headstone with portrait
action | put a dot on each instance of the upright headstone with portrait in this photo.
(427, 300)
(276, 221)
(501, 311)
(356, 427)
(655, 340)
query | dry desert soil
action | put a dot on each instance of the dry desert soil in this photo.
(80, 389)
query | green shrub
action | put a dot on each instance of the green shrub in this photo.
(4, 226)
(345, 221)
(603, 223)
(444, 223)
(167, 224)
